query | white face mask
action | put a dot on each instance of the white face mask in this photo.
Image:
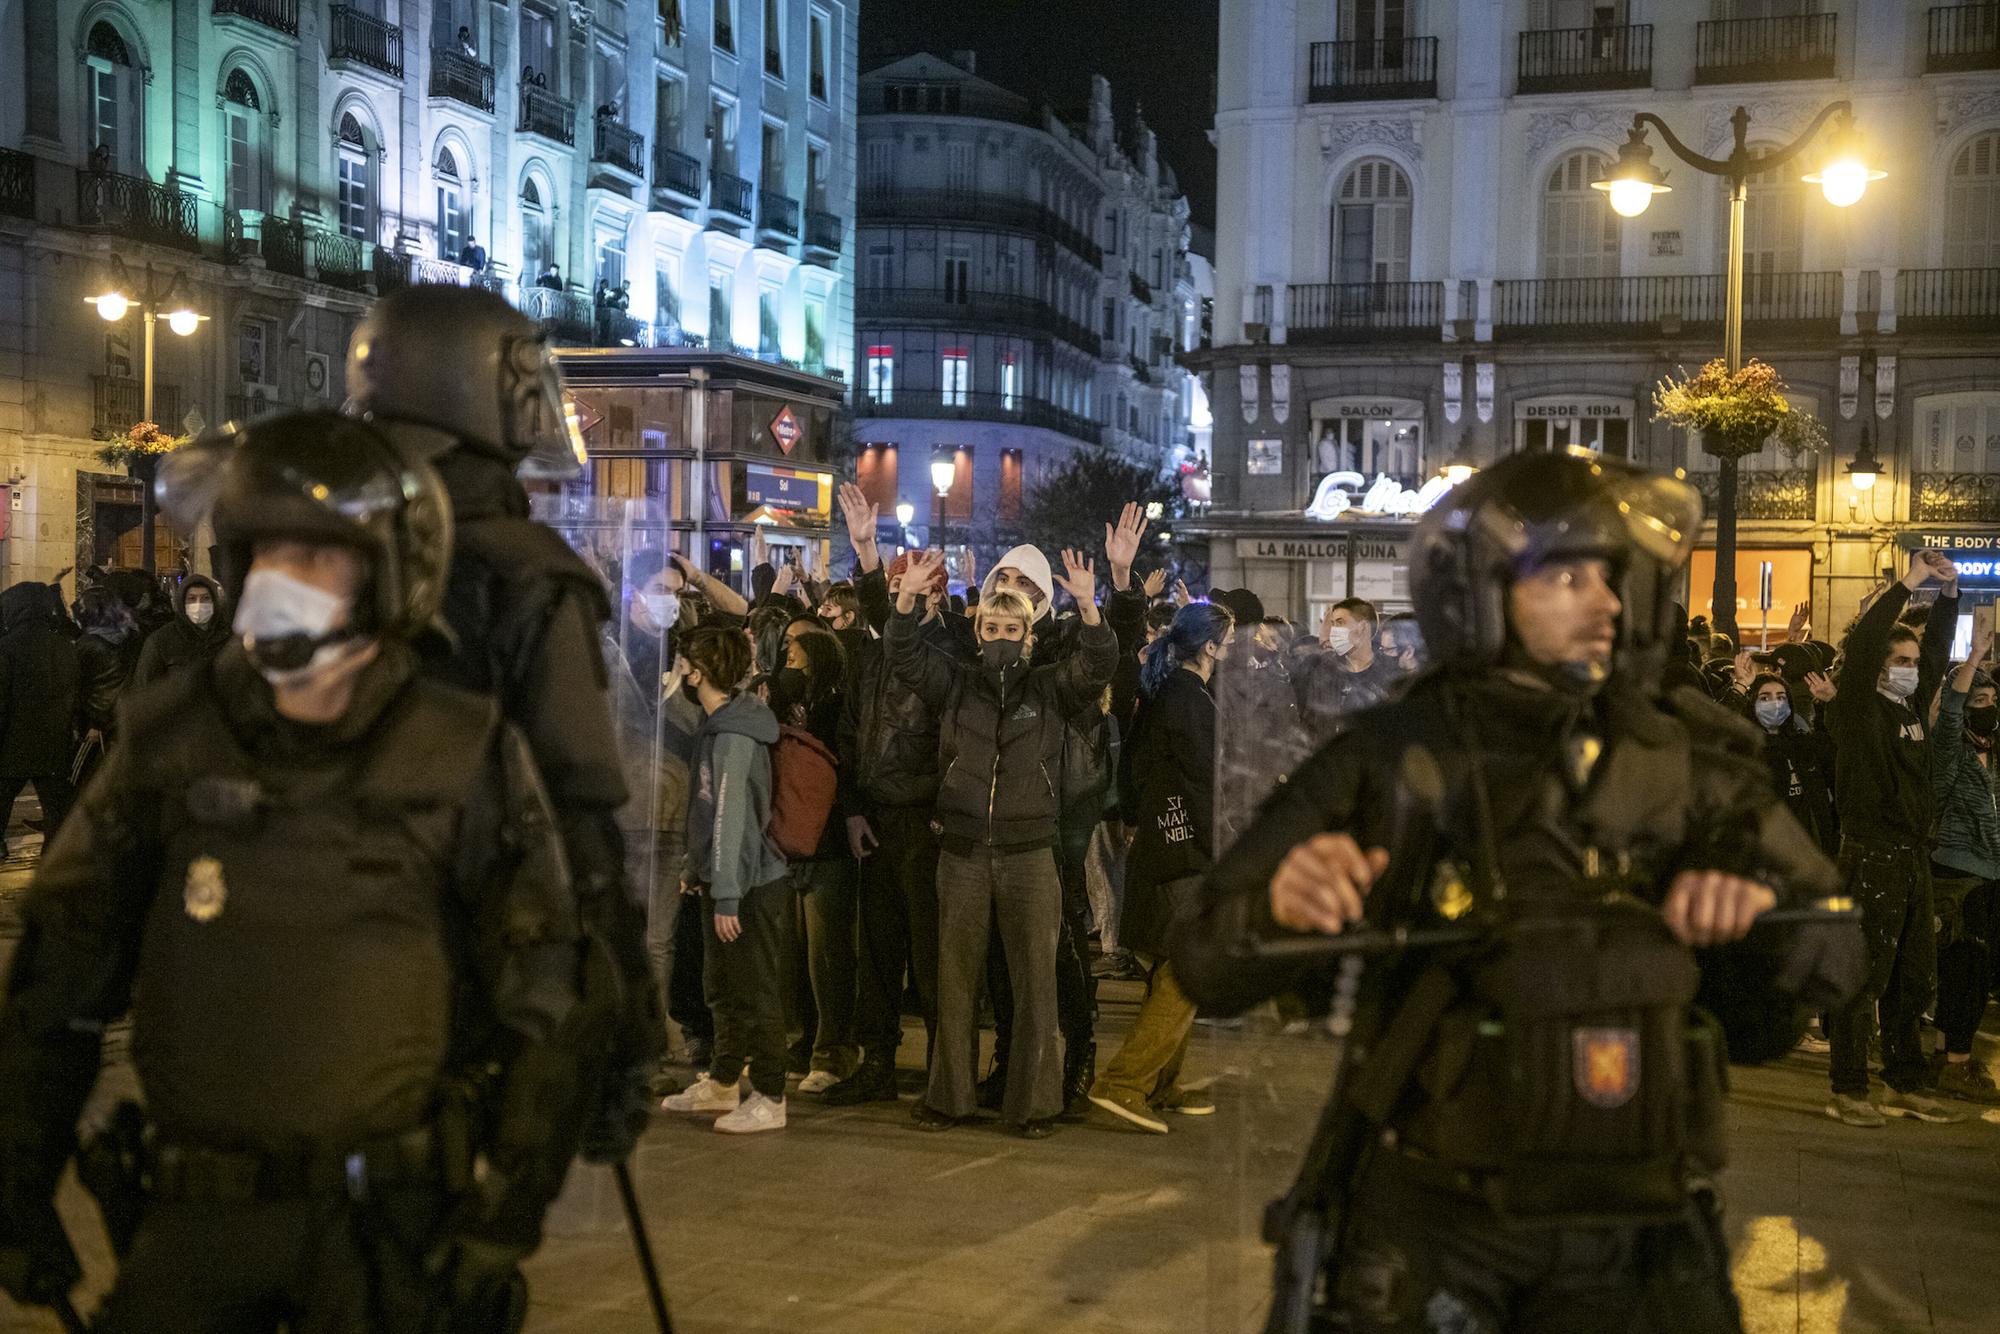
(1899, 683)
(1340, 638)
(663, 608)
(276, 607)
(202, 612)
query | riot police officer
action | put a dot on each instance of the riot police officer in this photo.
(458, 377)
(330, 892)
(1527, 1123)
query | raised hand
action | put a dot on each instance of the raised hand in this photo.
(917, 578)
(1800, 626)
(1822, 687)
(1181, 595)
(1121, 543)
(861, 515)
(1746, 670)
(1154, 584)
(1079, 576)
(788, 578)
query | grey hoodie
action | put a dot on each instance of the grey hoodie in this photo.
(729, 800)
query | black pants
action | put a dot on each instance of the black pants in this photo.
(1076, 989)
(321, 1265)
(1892, 884)
(687, 1001)
(52, 790)
(744, 980)
(1964, 955)
(899, 930)
(1418, 1260)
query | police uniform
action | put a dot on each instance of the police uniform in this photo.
(346, 948)
(1527, 1131)
(458, 376)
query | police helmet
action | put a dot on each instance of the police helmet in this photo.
(463, 362)
(1530, 509)
(320, 477)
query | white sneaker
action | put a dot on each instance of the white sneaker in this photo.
(757, 1113)
(705, 1096)
(819, 1081)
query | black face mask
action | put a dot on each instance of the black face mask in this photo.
(790, 685)
(1983, 721)
(691, 692)
(1000, 654)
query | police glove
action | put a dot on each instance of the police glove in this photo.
(1825, 963)
(37, 1263)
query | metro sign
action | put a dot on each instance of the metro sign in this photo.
(785, 429)
(1340, 492)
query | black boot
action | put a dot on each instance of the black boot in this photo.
(873, 1082)
(1079, 1073)
(993, 1089)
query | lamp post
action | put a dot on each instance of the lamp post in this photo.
(1633, 182)
(157, 293)
(944, 471)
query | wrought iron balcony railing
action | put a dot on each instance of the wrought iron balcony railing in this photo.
(1597, 307)
(283, 244)
(619, 146)
(340, 261)
(543, 113)
(957, 405)
(136, 208)
(1762, 493)
(1962, 37)
(975, 309)
(1794, 46)
(1575, 60)
(365, 39)
(992, 210)
(564, 314)
(277, 15)
(1373, 71)
(461, 79)
(1958, 497)
(778, 214)
(824, 231)
(118, 404)
(1948, 299)
(677, 173)
(1359, 312)
(729, 193)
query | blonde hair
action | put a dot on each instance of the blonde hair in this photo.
(1005, 602)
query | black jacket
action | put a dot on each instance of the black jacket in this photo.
(1000, 743)
(1800, 757)
(1883, 782)
(888, 734)
(1171, 757)
(106, 666)
(181, 643)
(39, 683)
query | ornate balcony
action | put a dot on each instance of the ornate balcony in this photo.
(283, 243)
(1373, 71)
(1960, 497)
(1962, 37)
(729, 194)
(619, 146)
(1762, 493)
(461, 79)
(1798, 46)
(1364, 312)
(1560, 308)
(563, 314)
(778, 215)
(677, 174)
(824, 231)
(545, 114)
(139, 209)
(340, 261)
(277, 15)
(936, 405)
(988, 210)
(975, 310)
(118, 404)
(1576, 60)
(364, 39)
(1948, 299)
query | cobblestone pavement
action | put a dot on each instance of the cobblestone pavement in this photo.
(851, 1220)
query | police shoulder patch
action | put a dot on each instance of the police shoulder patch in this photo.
(205, 891)
(1605, 1062)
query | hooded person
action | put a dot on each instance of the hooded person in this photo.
(39, 682)
(1025, 570)
(198, 631)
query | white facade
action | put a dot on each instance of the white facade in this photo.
(292, 159)
(1023, 290)
(1412, 265)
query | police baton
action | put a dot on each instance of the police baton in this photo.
(621, 1171)
(1384, 940)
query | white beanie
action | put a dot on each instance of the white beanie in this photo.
(1035, 566)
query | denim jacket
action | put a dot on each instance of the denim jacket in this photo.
(1968, 824)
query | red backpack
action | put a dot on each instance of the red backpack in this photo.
(804, 779)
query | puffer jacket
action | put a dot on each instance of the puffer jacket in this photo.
(1001, 740)
(888, 735)
(1968, 817)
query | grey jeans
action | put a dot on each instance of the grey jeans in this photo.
(1022, 893)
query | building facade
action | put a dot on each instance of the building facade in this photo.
(1413, 271)
(1023, 292)
(284, 162)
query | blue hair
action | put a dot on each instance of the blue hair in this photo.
(1194, 625)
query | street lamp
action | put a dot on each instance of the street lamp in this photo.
(1862, 472)
(1631, 185)
(943, 473)
(158, 294)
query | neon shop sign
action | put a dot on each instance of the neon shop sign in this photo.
(1341, 493)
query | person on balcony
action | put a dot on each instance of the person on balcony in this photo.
(551, 277)
(473, 255)
(465, 46)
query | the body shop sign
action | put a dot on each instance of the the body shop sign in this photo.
(1977, 555)
(1350, 493)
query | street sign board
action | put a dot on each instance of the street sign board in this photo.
(785, 429)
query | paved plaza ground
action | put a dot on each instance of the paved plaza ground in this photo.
(853, 1222)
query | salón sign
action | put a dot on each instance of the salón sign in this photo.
(1342, 493)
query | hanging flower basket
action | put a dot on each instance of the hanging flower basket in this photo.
(1736, 414)
(144, 445)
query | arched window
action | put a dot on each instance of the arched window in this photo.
(1579, 230)
(450, 206)
(1773, 222)
(357, 180)
(1371, 225)
(1972, 198)
(537, 235)
(242, 144)
(114, 103)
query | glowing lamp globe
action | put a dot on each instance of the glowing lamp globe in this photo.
(112, 305)
(183, 322)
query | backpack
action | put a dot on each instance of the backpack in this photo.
(803, 783)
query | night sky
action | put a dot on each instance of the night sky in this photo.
(1158, 53)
